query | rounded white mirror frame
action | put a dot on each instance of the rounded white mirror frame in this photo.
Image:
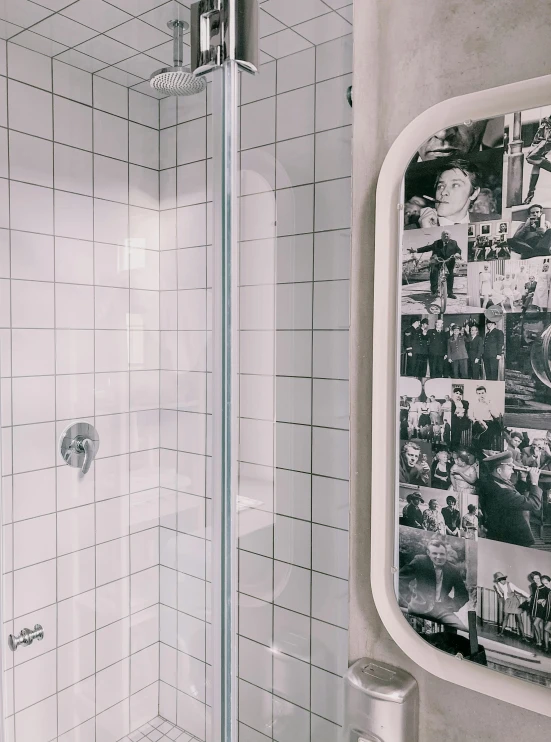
(386, 328)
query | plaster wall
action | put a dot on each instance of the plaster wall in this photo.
(408, 57)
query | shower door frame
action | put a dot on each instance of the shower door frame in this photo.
(225, 344)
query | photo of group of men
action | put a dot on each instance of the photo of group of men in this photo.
(453, 509)
(452, 346)
(474, 470)
(466, 413)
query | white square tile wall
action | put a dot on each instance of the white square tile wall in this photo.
(185, 425)
(105, 294)
(293, 522)
(80, 311)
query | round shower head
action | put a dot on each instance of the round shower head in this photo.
(176, 81)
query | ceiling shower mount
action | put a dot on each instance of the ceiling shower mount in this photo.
(177, 80)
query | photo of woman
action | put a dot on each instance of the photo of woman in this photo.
(510, 598)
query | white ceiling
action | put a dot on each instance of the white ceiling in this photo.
(126, 40)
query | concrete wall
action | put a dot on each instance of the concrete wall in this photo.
(409, 56)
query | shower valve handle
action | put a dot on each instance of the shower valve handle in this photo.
(87, 447)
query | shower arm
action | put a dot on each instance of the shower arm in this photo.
(178, 30)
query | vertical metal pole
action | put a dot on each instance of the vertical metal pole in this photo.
(225, 400)
(515, 163)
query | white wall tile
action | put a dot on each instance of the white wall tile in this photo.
(327, 695)
(72, 123)
(75, 573)
(32, 256)
(76, 704)
(74, 351)
(75, 529)
(331, 305)
(34, 541)
(74, 216)
(256, 576)
(34, 587)
(74, 261)
(292, 680)
(192, 107)
(334, 58)
(292, 633)
(331, 403)
(30, 109)
(112, 602)
(110, 97)
(67, 297)
(295, 113)
(112, 685)
(33, 399)
(295, 162)
(76, 661)
(28, 66)
(144, 109)
(330, 502)
(38, 452)
(333, 205)
(292, 541)
(191, 226)
(191, 144)
(144, 187)
(332, 109)
(37, 219)
(73, 490)
(38, 722)
(31, 159)
(73, 170)
(296, 71)
(110, 179)
(295, 210)
(262, 85)
(167, 151)
(144, 146)
(329, 647)
(258, 126)
(114, 723)
(73, 83)
(330, 453)
(34, 494)
(110, 135)
(255, 663)
(255, 707)
(330, 599)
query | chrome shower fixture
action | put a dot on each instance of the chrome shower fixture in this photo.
(177, 80)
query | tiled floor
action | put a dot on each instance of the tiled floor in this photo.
(158, 730)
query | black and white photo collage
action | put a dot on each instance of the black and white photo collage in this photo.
(474, 470)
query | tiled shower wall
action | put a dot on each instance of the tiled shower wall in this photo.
(91, 275)
(295, 221)
(294, 319)
(186, 217)
(79, 319)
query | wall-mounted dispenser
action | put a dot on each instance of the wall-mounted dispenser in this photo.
(381, 704)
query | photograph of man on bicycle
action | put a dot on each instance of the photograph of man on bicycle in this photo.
(445, 251)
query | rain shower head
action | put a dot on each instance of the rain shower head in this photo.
(177, 80)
